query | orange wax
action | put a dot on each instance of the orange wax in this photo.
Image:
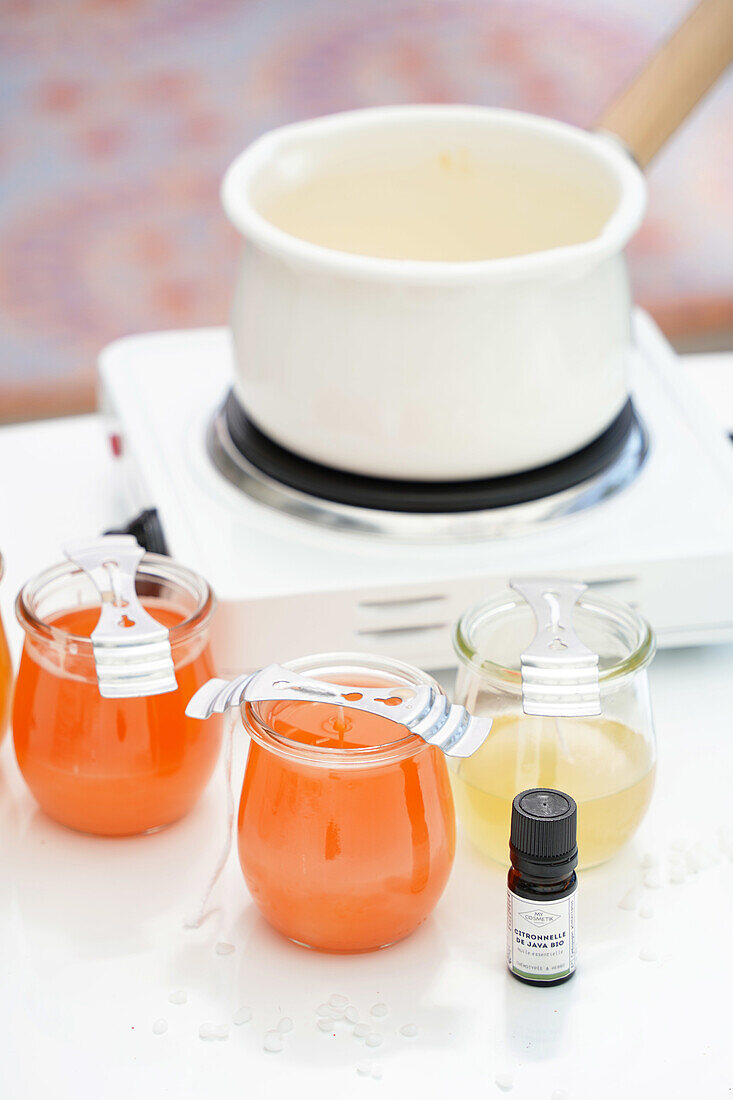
(340, 856)
(110, 766)
(6, 682)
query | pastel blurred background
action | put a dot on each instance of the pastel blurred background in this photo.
(120, 116)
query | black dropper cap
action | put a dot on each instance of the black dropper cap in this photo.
(543, 834)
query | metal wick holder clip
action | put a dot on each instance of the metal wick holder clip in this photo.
(559, 672)
(421, 710)
(132, 651)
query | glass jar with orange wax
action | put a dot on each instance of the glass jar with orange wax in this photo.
(111, 766)
(6, 674)
(346, 824)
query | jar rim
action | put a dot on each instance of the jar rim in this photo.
(160, 567)
(492, 671)
(323, 755)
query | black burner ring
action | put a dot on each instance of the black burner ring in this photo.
(390, 495)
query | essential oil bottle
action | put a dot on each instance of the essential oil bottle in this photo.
(541, 936)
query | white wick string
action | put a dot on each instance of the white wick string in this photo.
(563, 743)
(197, 919)
(113, 572)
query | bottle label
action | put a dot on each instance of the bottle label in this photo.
(540, 937)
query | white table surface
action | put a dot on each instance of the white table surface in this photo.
(93, 940)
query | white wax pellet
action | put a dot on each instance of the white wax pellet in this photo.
(630, 900)
(373, 1039)
(325, 1025)
(210, 1032)
(243, 1015)
(323, 1010)
(648, 955)
(273, 1042)
(652, 880)
(224, 948)
(377, 1072)
(364, 1069)
(646, 912)
(285, 1025)
(504, 1081)
(178, 997)
(560, 1094)
(379, 1010)
(677, 876)
(337, 1013)
(409, 1031)
(337, 1000)
(351, 1014)
(649, 860)
(160, 1027)
(360, 1030)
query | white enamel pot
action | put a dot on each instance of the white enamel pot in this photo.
(429, 370)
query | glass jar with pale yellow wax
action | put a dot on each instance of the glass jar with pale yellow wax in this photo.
(562, 672)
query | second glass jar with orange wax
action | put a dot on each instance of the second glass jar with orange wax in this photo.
(346, 824)
(110, 766)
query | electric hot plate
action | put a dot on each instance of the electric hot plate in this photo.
(278, 477)
(287, 587)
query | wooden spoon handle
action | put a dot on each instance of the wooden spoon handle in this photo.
(661, 96)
